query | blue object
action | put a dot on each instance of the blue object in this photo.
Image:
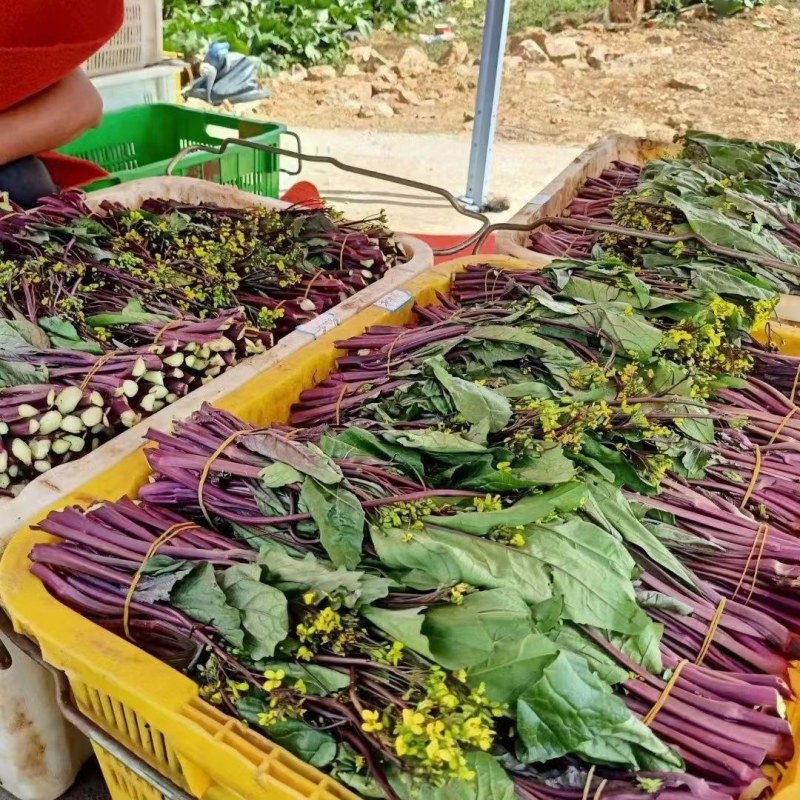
(217, 54)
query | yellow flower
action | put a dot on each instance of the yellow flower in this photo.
(274, 679)
(309, 598)
(371, 721)
(414, 721)
(300, 686)
(304, 654)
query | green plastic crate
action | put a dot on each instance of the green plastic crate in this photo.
(139, 142)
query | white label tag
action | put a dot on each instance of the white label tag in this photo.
(394, 300)
(320, 325)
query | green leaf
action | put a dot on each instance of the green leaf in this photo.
(644, 648)
(491, 782)
(631, 333)
(607, 506)
(431, 441)
(319, 680)
(548, 467)
(306, 458)
(477, 404)
(298, 575)
(508, 333)
(402, 625)
(21, 333)
(277, 475)
(355, 440)
(463, 635)
(264, 611)
(614, 461)
(159, 576)
(568, 637)
(592, 571)
(569, 710)
(18, 373)
(200, 597)
(310, 744)
(700, 430)
(132, 314)
(529, 509)
(449, 558)
(340, 519)
(63, 333)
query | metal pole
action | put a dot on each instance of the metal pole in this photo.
(488, 97)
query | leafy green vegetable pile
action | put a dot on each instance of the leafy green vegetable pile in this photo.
(726, 203)
(284, 32)
(540, 544)
(107, 317)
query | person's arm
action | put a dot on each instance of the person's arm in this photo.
(50, 119)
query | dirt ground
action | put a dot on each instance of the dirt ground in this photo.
(743, 77)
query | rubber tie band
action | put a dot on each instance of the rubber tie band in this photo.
(747, 563)
(391, 350)
(753, 479)
(782, 424)
(600, 789)
(587, 787)
(169, 533)
(712, 629)
(95, 368)
(765, 533)
(311, 282)
(339, 404)
(207, 468)
(659, 704)
(344, 244)
(173, 323)
(795, 383)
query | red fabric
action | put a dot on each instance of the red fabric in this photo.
(43, 41)
(303, 193)
(438, 241)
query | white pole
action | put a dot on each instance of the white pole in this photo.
(486, 102)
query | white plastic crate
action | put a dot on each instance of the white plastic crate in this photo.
(136, 44)
(157, 84)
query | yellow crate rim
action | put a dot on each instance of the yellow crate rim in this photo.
(217, 753)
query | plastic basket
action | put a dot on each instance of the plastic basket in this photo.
(159, 84)
(140, 142)
(149, 707)
(135, 45)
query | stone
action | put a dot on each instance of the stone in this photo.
(322, 72)
(538, 35)
(560, 48)
(513, 63)
(367, 112)
(428, 102)
(413, 62)
(631, 61)
(469, 116)
(383, 109)
(688, 81)
(297, 73)
(353, 106)
(574, 65)
(539, 77)
(632, 126)
(367, 58)
(384, 77)
(596, 56)
(458, 53)
(390, 98)
(408, 96)
(351, 71)
(626, 11)
(359, 90)
(529, 51)
(660, 133)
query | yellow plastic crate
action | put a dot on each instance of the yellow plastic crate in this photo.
(156, 711)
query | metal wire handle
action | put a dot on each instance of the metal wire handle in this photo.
(90, 729)
(478, 236)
